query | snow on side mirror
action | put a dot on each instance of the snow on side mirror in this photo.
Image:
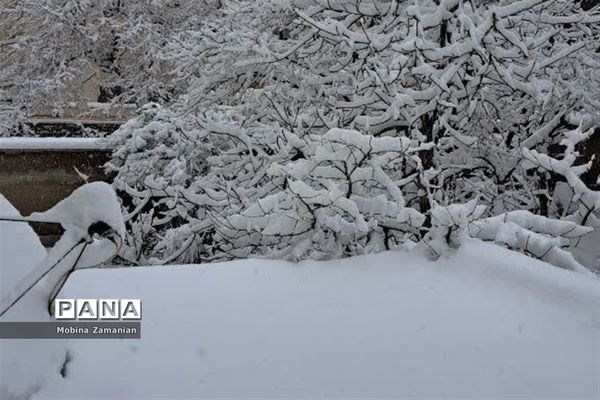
(87, 206)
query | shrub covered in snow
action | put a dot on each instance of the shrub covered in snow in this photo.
(342, 197)
(327, 128)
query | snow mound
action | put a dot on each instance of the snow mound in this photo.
(486, 322)
(90, 203)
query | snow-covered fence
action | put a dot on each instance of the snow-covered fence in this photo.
(36, 173)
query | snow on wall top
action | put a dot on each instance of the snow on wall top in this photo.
(19, 143)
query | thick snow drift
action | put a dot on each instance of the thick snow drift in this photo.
(486, 322)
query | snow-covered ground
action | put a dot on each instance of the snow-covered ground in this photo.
(485, 322)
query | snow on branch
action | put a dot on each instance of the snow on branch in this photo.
(325, 128)
(588, 200)
(343, 199)
(534, 235)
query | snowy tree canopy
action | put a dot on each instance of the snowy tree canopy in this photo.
(325, 128)
(60, 51)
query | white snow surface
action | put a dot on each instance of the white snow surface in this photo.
(486, 322)
(25, 365)
(48, 143)
(29, 275)
(20, 247)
